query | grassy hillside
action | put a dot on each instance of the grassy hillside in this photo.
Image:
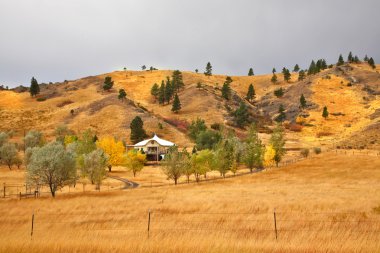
(353, 109)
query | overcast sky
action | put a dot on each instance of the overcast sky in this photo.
(54, 40)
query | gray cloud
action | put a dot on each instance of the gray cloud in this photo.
(56, 40)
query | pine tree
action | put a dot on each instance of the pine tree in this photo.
(350, 58)
(273, 70)
(155, 90)
(366, 58)
(325, 112)
(282, 116)
(250, 72)
(176, 104)
(34, 87)
(137, 130)
(279, 92)
(143, 67)
(356, 59)
(196, 71)
(108, 83)
(301, 75)
(161, 93)
(251, 94)
(312, 68)
(122, 94)
(296, 68)
(340, 61)
(302, 101)
(168, 90)
(226, 89)
(287, 75)
(208, 71)
(241, 115)
(371, 63)
(177, 80)
(274, 79)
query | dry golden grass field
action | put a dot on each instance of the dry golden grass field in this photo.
(327, 203)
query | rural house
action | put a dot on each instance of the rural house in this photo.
(154, 148)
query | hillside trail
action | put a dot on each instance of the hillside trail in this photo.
(128, 184)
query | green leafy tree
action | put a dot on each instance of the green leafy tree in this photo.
(251, 94)
(325, 112)
(208, 71)
(196, 71)
(8, 154)
(281, 116)
(301, 75)
(51, 165)
(137, 130)
(274, 78)
(155, 90)
(61, 132)
(241, 115)
(94, 166)
(122, 94)
(303, 101)
(340, 60)
(108, 83)
(196, 127)
(34, 87)
(224, 157)
(173, 164)
(176, 104)
(3, 138)
(33, 139)
(296, 68)
(254, 150)
(277, 140)
(250, 72)
(207, 139)
(202, 163)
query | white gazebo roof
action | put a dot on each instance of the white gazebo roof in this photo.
(160, 141)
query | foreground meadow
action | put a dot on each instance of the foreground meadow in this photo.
(327, 203)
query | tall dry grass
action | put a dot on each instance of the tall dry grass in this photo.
(323, 204)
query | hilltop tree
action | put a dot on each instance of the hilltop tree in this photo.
(196, 71)
(296, 68)
(277, 141)
(114, 150)
(137, 130)
(226, 89)
(122, 94)
(161, 93)
(250, 72)
(282, 116)
(208, 71)
(287, 75)
(177, 80)
(51, 165)
(274, 71)
(254, 150)
(108, 83)
(251, 94)
(350, 58)
(241, 115)
(8, 154)
(312, 68)
(301, 75)
(134, 161)
(143, 67)
(371, 63)
(274, 78)
(366, 58)
(325, 112)
(302, 102)
(34, 87)
(168, 90)
(340, 60)
(176, 104)
(155, 90)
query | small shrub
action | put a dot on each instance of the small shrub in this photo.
(160, 126)
(216, 126)
(41, 99)
(349, 84)
(279, 92)
(317, 150)
(305, 152)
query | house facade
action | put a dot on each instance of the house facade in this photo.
(154, 148)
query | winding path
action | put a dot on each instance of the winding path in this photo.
(128, 184)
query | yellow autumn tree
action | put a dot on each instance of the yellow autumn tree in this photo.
(134, 160)
(269, 155)
(114, 149)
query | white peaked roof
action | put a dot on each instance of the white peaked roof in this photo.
(157, 139)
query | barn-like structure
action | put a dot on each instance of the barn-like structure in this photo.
(154, 148)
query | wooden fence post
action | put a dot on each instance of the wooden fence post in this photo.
(275, 222)
(31, 233)
(4, 191)
(148, 222)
